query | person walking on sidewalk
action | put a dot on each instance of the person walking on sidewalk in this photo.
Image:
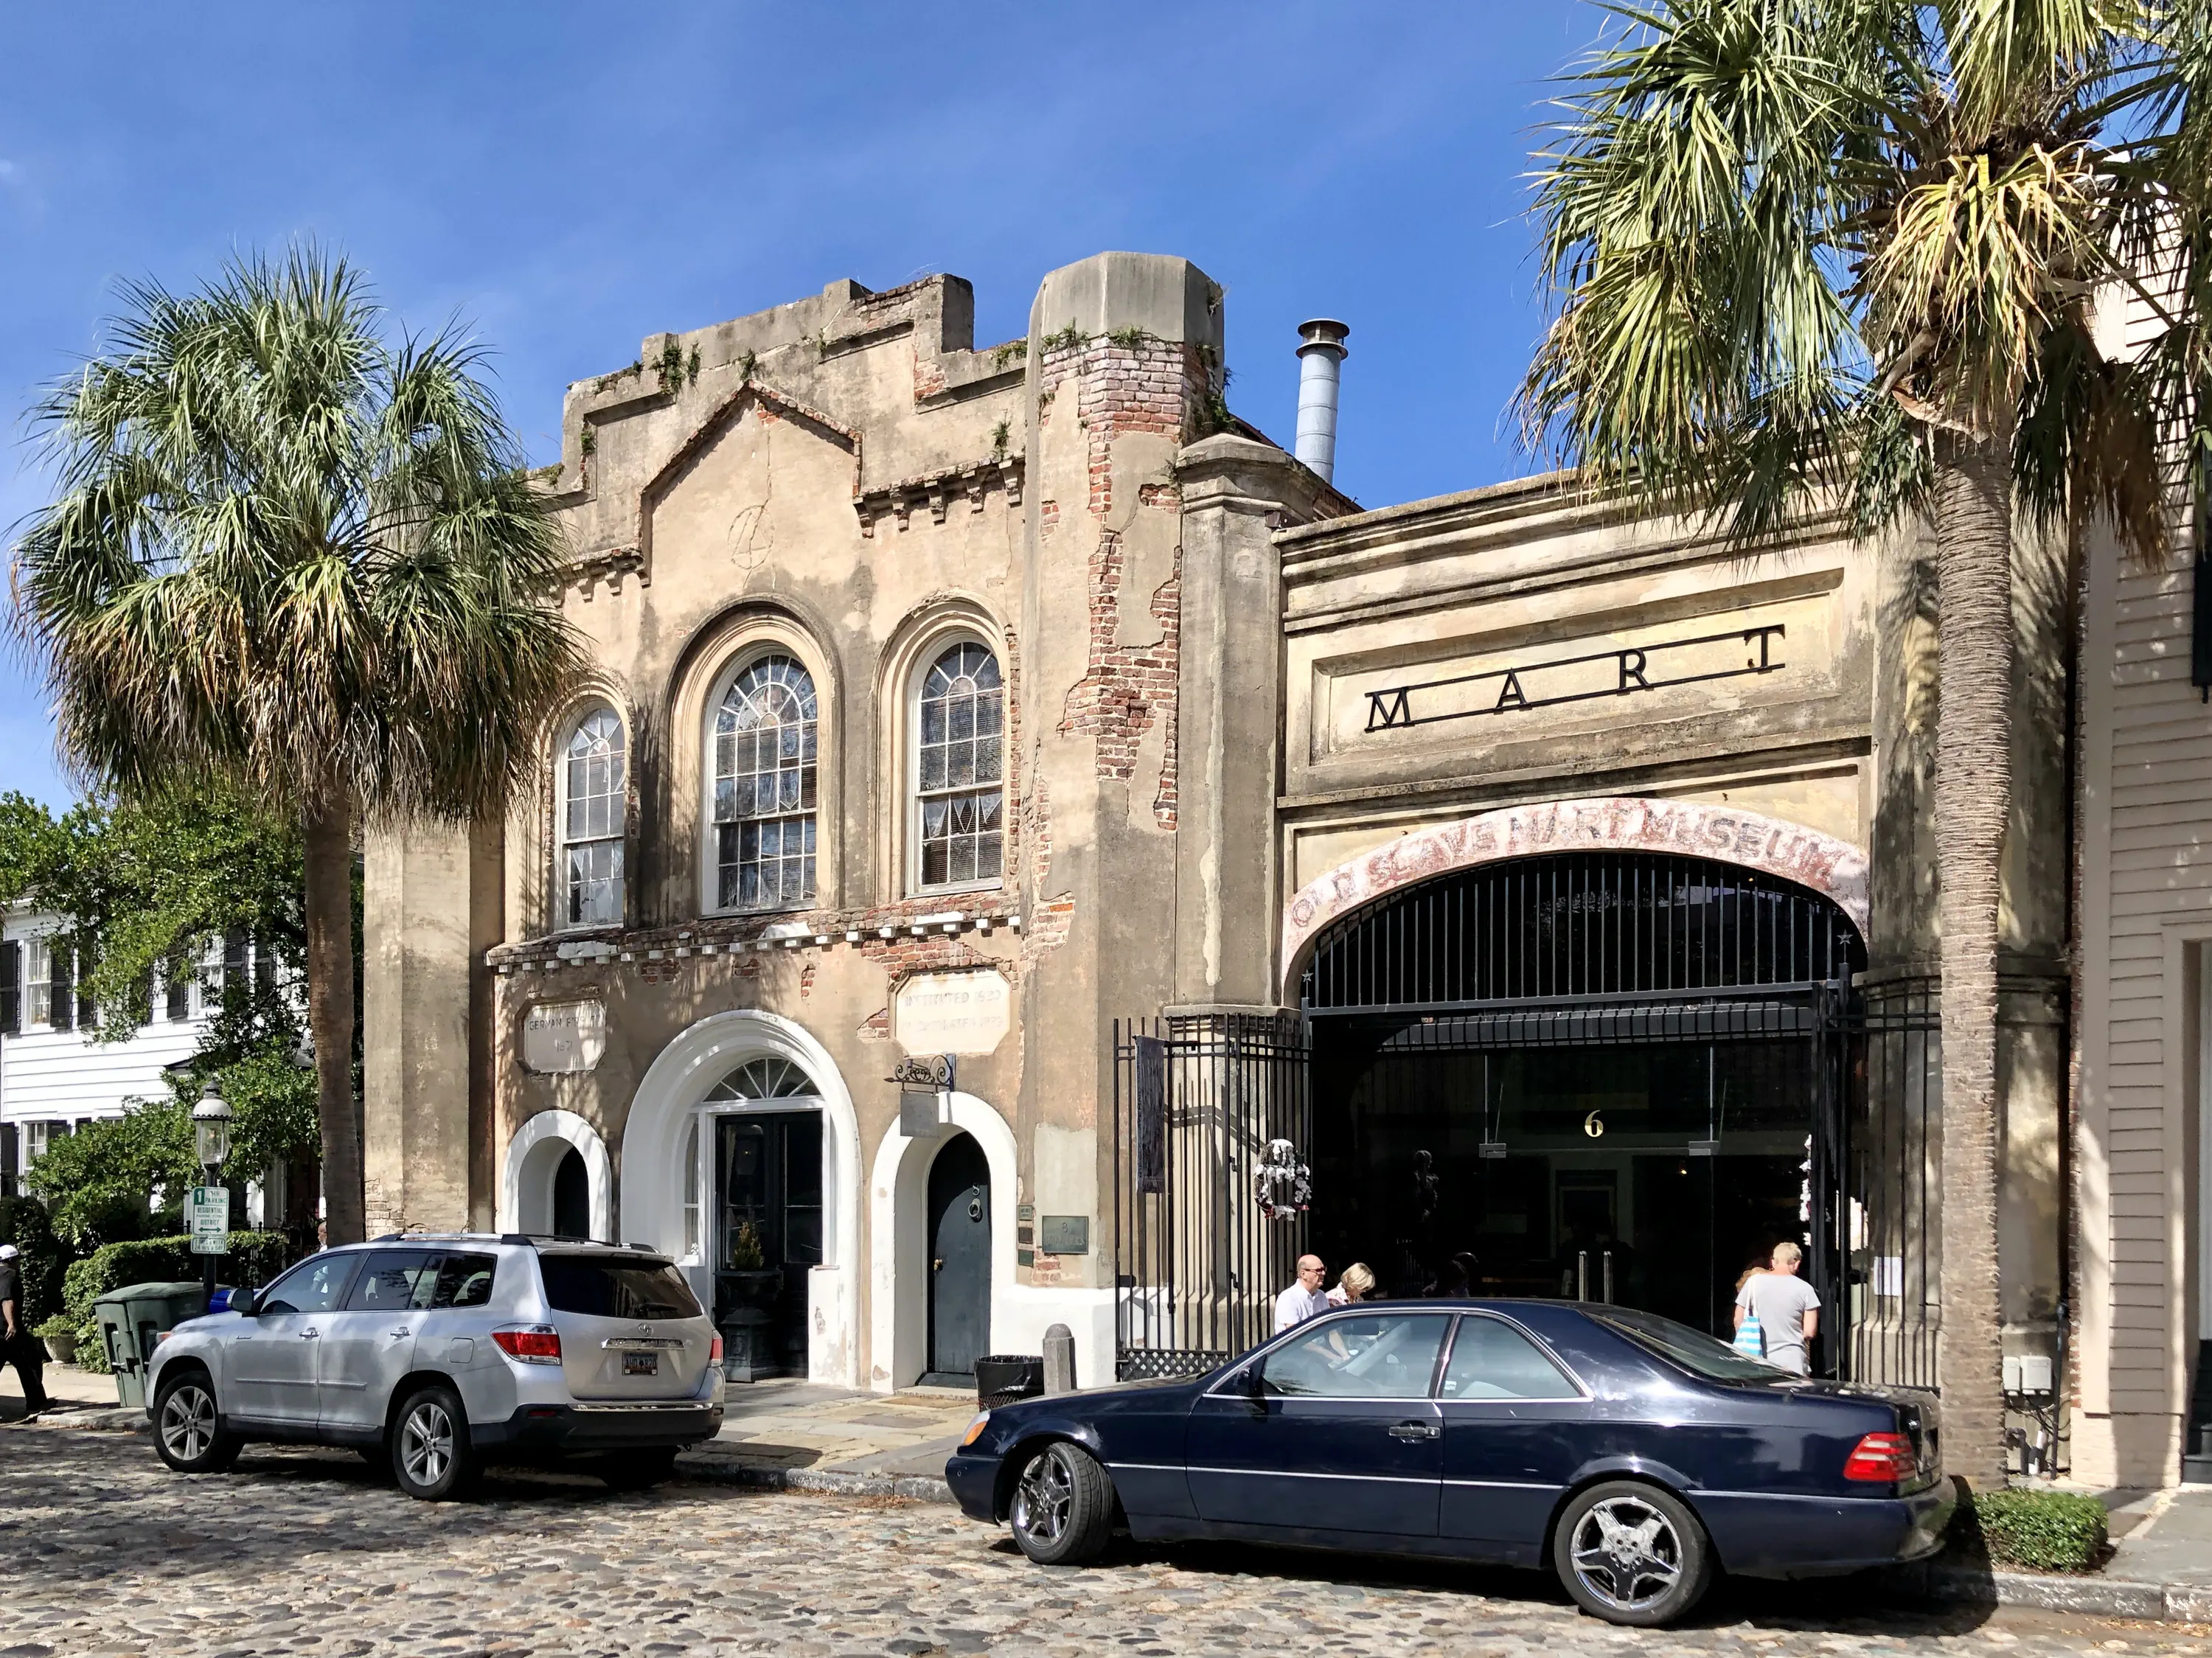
(1788, 1311)
(18, 1346)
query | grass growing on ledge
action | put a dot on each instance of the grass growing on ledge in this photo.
(2042, 1531)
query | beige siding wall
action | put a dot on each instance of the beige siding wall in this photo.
(2146, 916)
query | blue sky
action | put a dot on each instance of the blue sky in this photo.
(569, 179)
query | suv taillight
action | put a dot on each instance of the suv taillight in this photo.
(1883, 1457)
(536, 1344)
(715, 1349)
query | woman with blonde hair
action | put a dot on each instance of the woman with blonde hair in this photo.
(1357, 1284)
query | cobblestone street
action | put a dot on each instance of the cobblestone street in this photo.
(309, 1551)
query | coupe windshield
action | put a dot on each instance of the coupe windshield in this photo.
(1694, 1351)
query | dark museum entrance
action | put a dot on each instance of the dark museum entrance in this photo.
(1609, 1077)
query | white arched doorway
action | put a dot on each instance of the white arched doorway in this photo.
(530, 1182)
(666, 1180)
(899, 1259)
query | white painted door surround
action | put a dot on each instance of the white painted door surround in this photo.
(533, 1156)
(898, 1263)
(653, 1168)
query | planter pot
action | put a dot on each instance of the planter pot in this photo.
(747, 1320)
(61, 1349)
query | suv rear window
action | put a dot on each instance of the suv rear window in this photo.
(615, 1287)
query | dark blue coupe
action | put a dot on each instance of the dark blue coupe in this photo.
(1633, 1454)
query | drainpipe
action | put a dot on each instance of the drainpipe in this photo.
(1320, 360)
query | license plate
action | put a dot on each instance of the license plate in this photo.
(641, 1364)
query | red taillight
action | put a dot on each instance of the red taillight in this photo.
(715, 1349)
(541, 1346)
(1884, 1457)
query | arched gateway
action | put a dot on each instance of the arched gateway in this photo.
(1563, 1051)
(1606, 1075)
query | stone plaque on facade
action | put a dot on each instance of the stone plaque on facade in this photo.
(563, 1036)
(953, 1012)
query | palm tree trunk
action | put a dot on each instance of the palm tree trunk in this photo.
(1974, 805)
(329, 837)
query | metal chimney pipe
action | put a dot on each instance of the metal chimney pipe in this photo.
(1320, 360)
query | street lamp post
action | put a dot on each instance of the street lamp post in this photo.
(212, 1144)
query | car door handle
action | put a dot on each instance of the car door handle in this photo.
(1415, 1431)
(309, 1335)
(400, 1333)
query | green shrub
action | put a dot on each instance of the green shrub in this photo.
(254, 1259)
(2043, 1531)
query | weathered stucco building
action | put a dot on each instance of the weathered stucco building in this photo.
(1486, 888)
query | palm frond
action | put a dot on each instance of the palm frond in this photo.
(290, 553)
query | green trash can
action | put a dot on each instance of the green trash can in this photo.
(131, 1322)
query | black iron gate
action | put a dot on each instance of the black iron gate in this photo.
(1197, 1258)
(1591, 953)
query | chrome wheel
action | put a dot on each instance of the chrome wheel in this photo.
(188, 1423)
(1044, 1501)
(426, 1442)
(1627, 1554)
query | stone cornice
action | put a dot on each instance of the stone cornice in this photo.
(982, 913)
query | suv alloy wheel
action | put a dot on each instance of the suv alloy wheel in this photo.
(431, 1456)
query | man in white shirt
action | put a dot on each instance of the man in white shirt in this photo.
(1303, 1300)
(1789, 1312)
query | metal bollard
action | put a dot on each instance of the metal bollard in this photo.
(1059, 1360)
(1582, 1275)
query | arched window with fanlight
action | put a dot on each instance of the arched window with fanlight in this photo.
(594, 783)
(958, 817)
(765, 770)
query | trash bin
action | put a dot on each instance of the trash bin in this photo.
(132, 1323)
(1004, 1377)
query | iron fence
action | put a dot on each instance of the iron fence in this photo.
(1198, 1261)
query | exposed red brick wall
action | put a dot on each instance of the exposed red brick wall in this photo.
(1128, 386)
(1046, 928)
(1048, 517)
(1009, 855)
(1144, 384)
(1127, 688)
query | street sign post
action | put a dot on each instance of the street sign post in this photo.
(206, 1218)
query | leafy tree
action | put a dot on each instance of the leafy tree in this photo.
(147, 887)
(101, 1184)
(1847, 252)
(298, 558)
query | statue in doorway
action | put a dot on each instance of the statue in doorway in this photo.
(1282, 1185)
(1427, 1183)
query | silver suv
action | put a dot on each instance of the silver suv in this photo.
(437, 1351)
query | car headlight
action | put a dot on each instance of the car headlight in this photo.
(975, 1430)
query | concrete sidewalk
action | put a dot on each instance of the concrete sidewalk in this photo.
(67, 1388)
(806, 1436)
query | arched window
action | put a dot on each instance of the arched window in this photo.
(593, 784)
(765, 788)
(957, 823)
(767, 1078)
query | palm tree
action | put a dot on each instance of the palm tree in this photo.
(1842, 255)
(288, 554)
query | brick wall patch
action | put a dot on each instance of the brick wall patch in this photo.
(1127, 688)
